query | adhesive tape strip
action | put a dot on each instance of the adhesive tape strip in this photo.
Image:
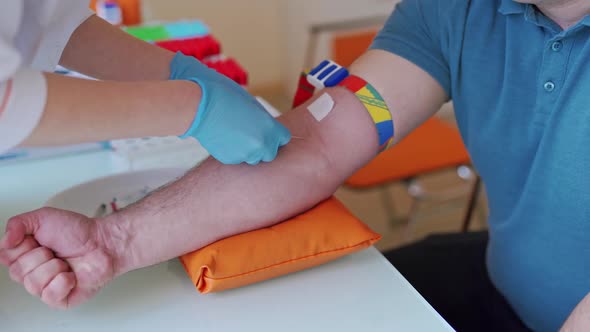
(321, 107)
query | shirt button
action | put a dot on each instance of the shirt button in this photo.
(549, 86)
(556, 46)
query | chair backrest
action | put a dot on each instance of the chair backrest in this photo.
(347, 47)
(435, 145)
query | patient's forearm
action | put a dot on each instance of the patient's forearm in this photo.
(215, 201)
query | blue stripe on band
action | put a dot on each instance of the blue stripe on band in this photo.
(336, 78)
(385, 131)
(319, 67)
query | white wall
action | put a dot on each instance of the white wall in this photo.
(302, 15)
(268, 37)
(249, 30)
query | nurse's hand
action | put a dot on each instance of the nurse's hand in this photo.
(230, 123)
(56, 255)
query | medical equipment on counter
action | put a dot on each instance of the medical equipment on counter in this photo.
(161, 31)
(110, 11)
(192, 38)
(26, 154)
(153, 152)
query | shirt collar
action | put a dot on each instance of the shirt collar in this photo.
(508, 7)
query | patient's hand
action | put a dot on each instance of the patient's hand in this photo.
(56, 255)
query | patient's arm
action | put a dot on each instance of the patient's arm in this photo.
(65, 258)
(579, 319)
(214, 201)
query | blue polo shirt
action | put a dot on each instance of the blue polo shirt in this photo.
(521, 90)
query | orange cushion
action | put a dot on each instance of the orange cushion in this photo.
(317, 236)
(433, 146)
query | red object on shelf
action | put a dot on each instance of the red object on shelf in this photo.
(207, 49)
(230, 68)
(304, 90)
(200, 47)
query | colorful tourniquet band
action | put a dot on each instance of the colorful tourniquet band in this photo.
(329, 74)
(376, 107)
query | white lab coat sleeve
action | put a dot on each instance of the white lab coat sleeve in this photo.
(22, 92)
(23, 88)
(22, 101)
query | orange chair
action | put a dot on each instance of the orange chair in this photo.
(434, 146)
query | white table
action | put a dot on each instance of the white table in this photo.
(361, 292)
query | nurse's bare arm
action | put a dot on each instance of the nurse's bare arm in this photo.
(101, 50)
(79, 110)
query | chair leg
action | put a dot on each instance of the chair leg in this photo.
(387, 202)
(471, 204)
(411, 221)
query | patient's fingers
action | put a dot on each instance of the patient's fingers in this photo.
(9, 256)
(15, 233)
(28, 262)
(40, 277)
(57, 291)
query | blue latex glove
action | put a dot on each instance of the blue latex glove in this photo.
(231, 124)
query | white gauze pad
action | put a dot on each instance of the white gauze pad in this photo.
(321, 107)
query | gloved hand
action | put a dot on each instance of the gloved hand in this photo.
(230, 123)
